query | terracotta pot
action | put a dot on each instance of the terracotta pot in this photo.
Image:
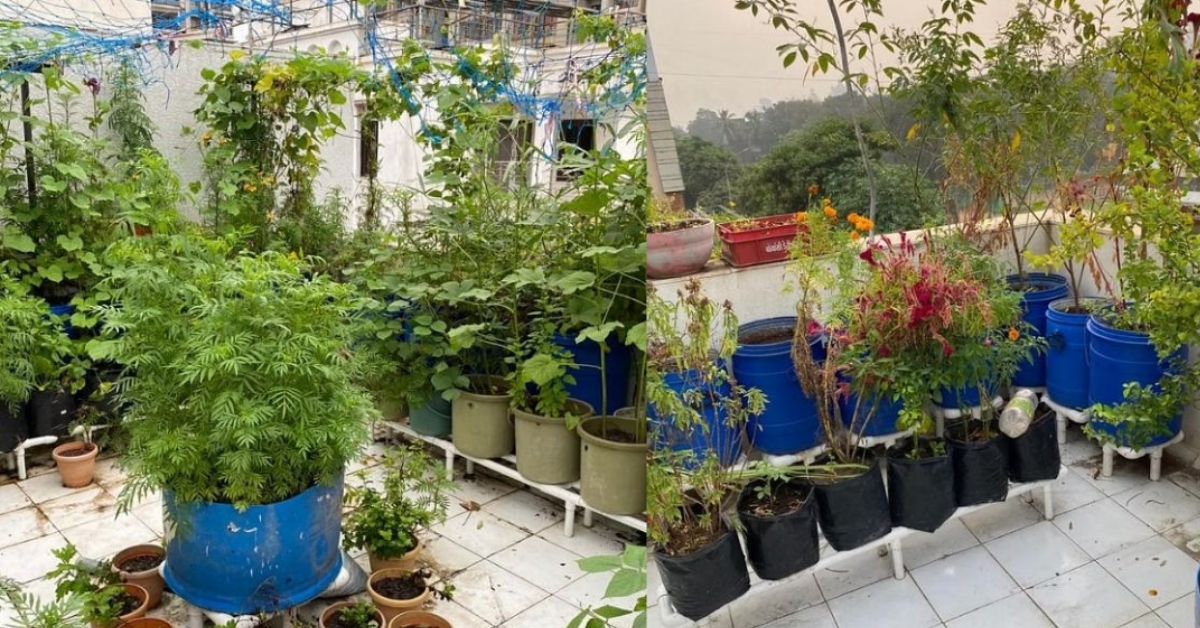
(142, 596)
(389, 607)
(149, 579)
(407, 562)
(328, 614)
(76, 471)
(679, 252)
(419, 618)
(147, 622)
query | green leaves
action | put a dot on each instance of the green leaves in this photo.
(628, 579)
(18, 241)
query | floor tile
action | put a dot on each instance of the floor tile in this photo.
(1155, 571)
(80, 507)
(541, 562)
(1181, 613)
(480, 488)
(480, 532)
(1037, 553)
(780, 600)
(31, 560)
(527, 511)
(45, 487)
(906, 606)
(598, 540)
(1087, 597)
(1015, 611)
(105, 537)
(1070, 492)
(494, 594)
(1127, 474)
(13, 498)
(961, 583)
(152, 516)
(549, 612)
(586, 591)
(1102, 528)
(1149, 620)
(448, 557)
(854, 573)
(109, 473)
(812, 617)
(1078, 448)
(1187, 479)
(1160, 505)
(458, 616)
(23, 525)
(952, 538)
(999, 519)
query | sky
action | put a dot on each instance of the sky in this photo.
(712, 56)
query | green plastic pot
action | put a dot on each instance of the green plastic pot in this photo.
(547, 451)
(612, 473)
(431, 418)
(481, 425)
(390, 408)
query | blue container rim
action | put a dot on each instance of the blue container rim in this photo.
(1048, 285)
(1098, 327)
(1057, 308)
(770, 348)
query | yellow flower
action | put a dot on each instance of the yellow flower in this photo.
(914, 131)
(1013, 334)
(732, 204)
(864, 224)
(830, 212)
(250, 187)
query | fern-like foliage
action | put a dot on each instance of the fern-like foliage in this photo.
(240, 370)
(33, 346)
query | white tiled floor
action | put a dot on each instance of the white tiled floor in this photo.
(1120, 553)
(509, 562)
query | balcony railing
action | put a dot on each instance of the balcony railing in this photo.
(444, 26)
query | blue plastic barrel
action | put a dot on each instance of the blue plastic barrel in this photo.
(1066, 355)
(1117, 357)
(790, 422)
(1042, 290)
(717, 435)
(588, 386)
(964, 397)
(268, 558)
(881, 423)
(64, 312)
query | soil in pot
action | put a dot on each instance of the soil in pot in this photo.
(146, 622)
(419, 619)
(547, 451)
(76, 463)
(332, 617)
(481, 424)
(921, 485)
(612, 465)
(979, 453)
(139, 565)
(1034, 455)
(780, 521)
(704, 574)
(397, 590)
(134, 602)
(853, 508)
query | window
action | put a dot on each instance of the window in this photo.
(515, 137)
(575, 134)
(368, 148)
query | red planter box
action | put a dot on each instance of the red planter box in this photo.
(769, 240)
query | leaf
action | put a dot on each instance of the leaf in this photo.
(789, 59)
(635, 556)
(608, 611)
(70, 243)
(636, 336)
(599, 564)
(575, 281)
(19, 242)
(470, 506)
(625, 583)
(599, 333)
(52, 272)
(543, 369)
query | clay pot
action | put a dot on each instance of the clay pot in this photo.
(149, 579)
(329, 612)
(76, 471)
(142, 596)
(147, 622)
(389, 607)
(679, 252)
(407, 562)
(419, 618)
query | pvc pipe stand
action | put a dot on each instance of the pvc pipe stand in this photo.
(1062, 414)
(1129, 453)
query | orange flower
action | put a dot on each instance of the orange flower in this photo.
(1013, 334)
(864, 224)
(814, 189)
(801, 217)
(854, 236)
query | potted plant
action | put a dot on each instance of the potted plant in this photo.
(139, 564)
(29, 338)
(30, 612)
(360, 614)
(419, 619)
(414, 496)
(244, 410)
(396, 591)
(59, 373)
(677, 243)
(774, 509)
(546, 420)
(76, 463)
(106, 601)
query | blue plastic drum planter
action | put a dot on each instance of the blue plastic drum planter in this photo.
(1117, 357)
(592, 377)
(1066, 354)
(1039, 290)
(266, 559)
(965, 398)
(717, 435)
(886, 412)
(763, 360)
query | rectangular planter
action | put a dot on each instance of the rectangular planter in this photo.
(769, 240)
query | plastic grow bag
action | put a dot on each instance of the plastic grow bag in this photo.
(781, 545)
(13, 427)
(50, 413)
(921, 491)
(980, 470)
(1034, 455)
(707, 579)
(854, 511)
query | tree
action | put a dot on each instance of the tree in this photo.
(907, 199)
(709, 171)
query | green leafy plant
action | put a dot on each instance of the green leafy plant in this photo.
(245, 389)
(361, 614)
(415, 496)
(33, 347)
(64, 612)
(97, 587)
(628, 571)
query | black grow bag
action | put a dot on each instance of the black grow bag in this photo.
(854, 511)
(13, 427)
(1034, 455)
(920, 491)
(50, 413)
(980, 470)
(781, 545)
(706, 579)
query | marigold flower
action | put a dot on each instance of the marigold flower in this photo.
(830, 212)
(864, 224)
(854, 235)
(801, 217)
(1013, 334)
